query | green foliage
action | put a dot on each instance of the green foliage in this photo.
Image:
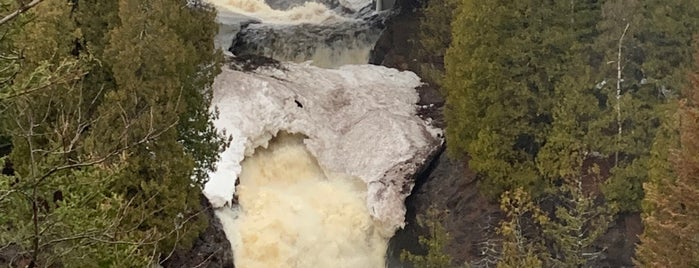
(572, 137)
(82, 229)
(435, 244)
(519, 250)
(502, 69)
(666, 41)
(670, 216)
(655, 55)
(434, 37)
(112, 138)
(578, 222)
(510, 63)
(660, 166)
(530, 238)
(146, 52)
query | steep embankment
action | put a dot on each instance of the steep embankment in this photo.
(449, 184)
(321, 160)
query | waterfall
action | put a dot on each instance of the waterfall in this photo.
(293, 214)
(321, 158)
(309, 12)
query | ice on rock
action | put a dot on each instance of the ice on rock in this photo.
(359, 119)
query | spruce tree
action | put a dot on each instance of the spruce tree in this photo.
(671, 217)
(578, 220)
(435, 242)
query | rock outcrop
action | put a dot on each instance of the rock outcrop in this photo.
(327, 45)
(210, 250)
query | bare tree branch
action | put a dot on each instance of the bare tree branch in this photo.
(21, 10)
(148, 137)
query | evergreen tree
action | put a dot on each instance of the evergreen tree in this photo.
(149, 62)
(53, 213)
(435, 243)
(505, 60)
(518, 248)
(112, 122)
(434, 38)
(578, 220)
(671, 218)
(645, 47)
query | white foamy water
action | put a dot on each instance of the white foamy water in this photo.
(293, 214)
(356, 52)
(335, 197)
(309, 12)
(328, 57)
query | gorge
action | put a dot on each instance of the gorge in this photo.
(324, 147)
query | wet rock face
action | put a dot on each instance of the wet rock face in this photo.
(210, 250)
(288, 4)
(328, 45)
(470, 219)
(397, 46)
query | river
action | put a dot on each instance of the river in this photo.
(324, 145)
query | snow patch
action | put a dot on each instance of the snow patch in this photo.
(359, 119)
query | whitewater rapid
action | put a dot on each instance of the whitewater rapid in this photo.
(324, 158)
(357, 121)
(296, 215)
(309, 12)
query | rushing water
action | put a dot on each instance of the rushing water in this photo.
(309, 12)
(290, 211)
(306, 32)
(292, 214)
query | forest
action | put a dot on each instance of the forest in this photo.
(571, 113)
(105, 129)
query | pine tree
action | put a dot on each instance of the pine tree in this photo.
(578, 220)
(670, 217)
(504, 63)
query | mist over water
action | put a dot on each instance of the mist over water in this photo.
(293, 214)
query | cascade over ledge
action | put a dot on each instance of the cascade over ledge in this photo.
(360, 120)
